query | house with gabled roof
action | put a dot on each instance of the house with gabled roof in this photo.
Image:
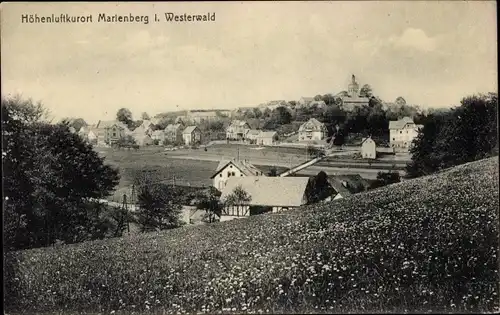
(305, 101)
(277, 194)
(368, 148)
(252, 135)
(173, 133)
(267, 138)
(110, 131)
(237, 130)
(402, 132)
(313, 129)
(191, 135)
(233, 168)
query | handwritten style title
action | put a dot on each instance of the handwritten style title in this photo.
(115, 18)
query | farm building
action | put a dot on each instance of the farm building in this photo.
(237, 130)
(368, 148)
(313, 129)
(267, 194)
(402, 132)
(191, 135)
(267, 138)
(233, 168)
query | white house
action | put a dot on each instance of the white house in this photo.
(368, 148)
(312, 130)
(267, 138)
(237, 130)
(252, 135)
(402, 132)
(276, 193)
(233, 168)
(158, 135)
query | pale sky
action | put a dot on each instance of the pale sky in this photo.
(431, 53)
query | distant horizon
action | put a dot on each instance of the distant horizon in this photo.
(430, 53)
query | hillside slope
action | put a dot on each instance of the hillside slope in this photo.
(425, 244)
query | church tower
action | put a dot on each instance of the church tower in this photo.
(353, 88)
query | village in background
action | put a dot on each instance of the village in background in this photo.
(354, 139)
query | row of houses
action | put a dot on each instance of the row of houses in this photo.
(106, 133)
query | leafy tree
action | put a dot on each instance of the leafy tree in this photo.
(329, 99)
(159, 205)
(386, 178)
(238, 197)
(465, 134)
(282, 115)
(210, 202)
(318, 97)
(257, 113)
(76, 123)
(318, 188)
(366, 91)
(145, 116)
(124, 115)
(400, 101)
(51, 179)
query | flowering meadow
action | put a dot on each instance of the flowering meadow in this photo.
(424, 245)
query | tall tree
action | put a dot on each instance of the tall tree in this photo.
(282, 115)
(366, 91)
(465, 134)
(400, 101)
(238, 197)
(210, 202)
(318, 188)
(51, 177)
(158, 209)
(124, 115)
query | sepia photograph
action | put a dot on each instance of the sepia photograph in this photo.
(250, 157)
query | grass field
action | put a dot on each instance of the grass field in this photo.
(186, 172)
(429, 244)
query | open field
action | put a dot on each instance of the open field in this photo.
(195, 166)
(424, 245)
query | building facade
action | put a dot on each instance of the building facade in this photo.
(233, 168)
(267, 138)
(312, 130)
(191, 135)
(402, 132)
(173, 133)
(237, 130)
(368, 148)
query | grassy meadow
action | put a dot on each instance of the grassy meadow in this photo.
(424, 245)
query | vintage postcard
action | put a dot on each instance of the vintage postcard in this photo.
(246, 157)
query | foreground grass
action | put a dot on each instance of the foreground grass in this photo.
(429, 244)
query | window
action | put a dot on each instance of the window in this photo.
(406, 131)
(401, 132)
(233, 174)
(114, 133)
(220, 175)
(228, 174)
(230, 166)
(241, 174)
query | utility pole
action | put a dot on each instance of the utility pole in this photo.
(125, 207)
